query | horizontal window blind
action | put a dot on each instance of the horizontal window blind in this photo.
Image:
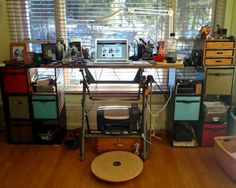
(130, 19)
(73, 79)
(31, 19)
(191, 15)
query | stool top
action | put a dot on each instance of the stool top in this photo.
(117, 166)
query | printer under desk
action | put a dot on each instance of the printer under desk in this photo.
(118, 119)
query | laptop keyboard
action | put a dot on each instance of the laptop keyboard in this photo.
(112, 62)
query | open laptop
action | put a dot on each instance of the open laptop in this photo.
(111, 51)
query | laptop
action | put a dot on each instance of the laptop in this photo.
(111, 51)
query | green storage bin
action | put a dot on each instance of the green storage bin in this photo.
(44, 107)
(187, 108)
(19, 107)
(219, 81)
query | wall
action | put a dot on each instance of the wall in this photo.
(73, 110)
(4, 46)
(230, 24)
(4, 32)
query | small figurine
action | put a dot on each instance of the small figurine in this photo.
(220, 32)
(204, 32)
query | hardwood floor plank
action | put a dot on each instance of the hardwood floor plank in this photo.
(55, 166)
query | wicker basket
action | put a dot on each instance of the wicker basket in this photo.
(225, 153)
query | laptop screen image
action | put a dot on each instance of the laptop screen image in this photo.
(111, 50)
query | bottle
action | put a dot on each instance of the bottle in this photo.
(171, 55)
(60, 49)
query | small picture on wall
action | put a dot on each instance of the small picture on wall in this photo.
(18, 51)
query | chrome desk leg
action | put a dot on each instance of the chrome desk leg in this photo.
(82, 139)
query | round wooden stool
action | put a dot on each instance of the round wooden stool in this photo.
(117, 166)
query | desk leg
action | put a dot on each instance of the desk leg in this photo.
(144, 125)
(82, 136)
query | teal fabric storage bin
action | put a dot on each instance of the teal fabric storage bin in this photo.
(187, 108)
(44, 107)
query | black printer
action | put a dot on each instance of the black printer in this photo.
(118, 119)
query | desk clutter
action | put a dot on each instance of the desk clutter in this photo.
(44, 85)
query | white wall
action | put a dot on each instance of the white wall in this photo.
(73, 110)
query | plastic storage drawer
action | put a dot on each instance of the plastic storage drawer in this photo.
(19, 107)
(210, 131)
(223, 78)
(187, 108)
(20, 132)
(44, 107)
(15, 81)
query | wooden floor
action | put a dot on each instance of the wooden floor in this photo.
(53, 166)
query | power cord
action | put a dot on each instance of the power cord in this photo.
(153, 116)
(145, 138)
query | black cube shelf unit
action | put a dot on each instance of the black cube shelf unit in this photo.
(34, 104)
(184, 126)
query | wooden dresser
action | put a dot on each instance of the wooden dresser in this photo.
(218, 52)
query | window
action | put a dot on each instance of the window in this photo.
(90, 19)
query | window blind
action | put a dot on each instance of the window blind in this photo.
(116, 19)
(90, 19)
(31, 19)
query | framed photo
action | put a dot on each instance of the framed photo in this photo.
(49, 52)
(18, 51)
(75, 48)
(29, 58)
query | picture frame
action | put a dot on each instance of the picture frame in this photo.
(49, 51)
(18, 52)
(29, 58)
(75, 48)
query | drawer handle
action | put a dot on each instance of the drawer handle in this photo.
(219, 74)
(219, 53)
(19, 102)
(188, 102)
(43, 100)
(215, 129)
(218, 61)
(119, 144)
(215, 119)
(14, 73)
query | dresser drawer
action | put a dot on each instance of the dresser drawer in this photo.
(113, 144)
(219, 53)
(218, 44)
(218, 61)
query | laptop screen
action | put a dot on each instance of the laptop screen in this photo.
(111, 49)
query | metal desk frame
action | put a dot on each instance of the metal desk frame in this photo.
(87, 79)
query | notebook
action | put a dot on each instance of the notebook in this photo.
(111, 51)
